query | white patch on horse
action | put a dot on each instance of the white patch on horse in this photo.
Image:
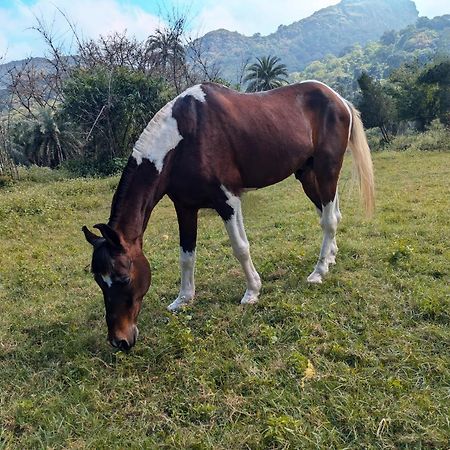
(241, 248)
(107, 279)
(187, 289)
(329, 220)
(195, 91)
(347, 106)
(162, 135)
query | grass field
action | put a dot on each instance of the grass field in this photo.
(362, 361)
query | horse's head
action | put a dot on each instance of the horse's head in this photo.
(123, 274)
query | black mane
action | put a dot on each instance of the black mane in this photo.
(122, 188)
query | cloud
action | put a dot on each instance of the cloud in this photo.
(432, 8)
(91, 18)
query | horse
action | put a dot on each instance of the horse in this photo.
(204, 149)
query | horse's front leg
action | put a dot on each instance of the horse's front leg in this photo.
(187, 222)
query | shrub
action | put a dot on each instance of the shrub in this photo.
(94, 167)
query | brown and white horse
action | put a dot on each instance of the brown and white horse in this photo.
(204, 149)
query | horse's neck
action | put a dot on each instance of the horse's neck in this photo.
(140, 189)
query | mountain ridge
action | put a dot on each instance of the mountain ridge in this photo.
(327, 31)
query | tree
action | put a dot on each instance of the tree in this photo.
(46, 139)
(438, 74)
(377, 108)
(266, 74)
(415, 101)
(112, 107)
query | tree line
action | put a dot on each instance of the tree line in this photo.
(85, 109)
(414, 94)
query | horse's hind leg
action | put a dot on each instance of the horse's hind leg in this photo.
(231, 212)
(322, 190)
(187, 222)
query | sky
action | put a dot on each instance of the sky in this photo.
(141, 17)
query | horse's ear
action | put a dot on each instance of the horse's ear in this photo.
(111, 236)
(92, 238)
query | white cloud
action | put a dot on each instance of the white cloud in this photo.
(94, 17)
(91, 19)
(432, 8)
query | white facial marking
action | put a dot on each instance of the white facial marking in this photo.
(107, 279)
(340, 97)
(161, 135)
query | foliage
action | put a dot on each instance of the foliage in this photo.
(266, 74)
(46, 138)
(8, 168)
(416, 101)
(112, 107)
(435, 138)
(439, 74)
(329, 31)
(94, 166)
(213, 376)
(377, 108)
(379, 59)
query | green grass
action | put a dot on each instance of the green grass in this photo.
(362, 361)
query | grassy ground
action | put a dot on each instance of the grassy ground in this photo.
(362, 361)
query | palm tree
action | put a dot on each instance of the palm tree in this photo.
(266, 74)
(47, 139)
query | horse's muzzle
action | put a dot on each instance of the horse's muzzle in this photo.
(125, 344)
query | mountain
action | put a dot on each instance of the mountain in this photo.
(423, 41)
(328, 31)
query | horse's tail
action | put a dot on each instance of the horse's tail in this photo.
(362, 161)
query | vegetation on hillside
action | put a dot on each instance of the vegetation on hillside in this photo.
(86, 111)
(418, 43)
(328, 31)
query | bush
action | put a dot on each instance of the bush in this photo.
(94, 167)
(435, 138)
(38, 174)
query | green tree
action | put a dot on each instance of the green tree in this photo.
(377, 108)
(266, 74)
(112, 106)
(416, 101)
(438, 74)
(46, 139)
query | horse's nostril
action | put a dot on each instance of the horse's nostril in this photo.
(124, 345)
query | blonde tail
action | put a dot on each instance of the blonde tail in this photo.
(362, 161)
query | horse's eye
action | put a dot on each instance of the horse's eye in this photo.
(122, 280)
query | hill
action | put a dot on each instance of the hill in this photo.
(328, 31)
(422, 41)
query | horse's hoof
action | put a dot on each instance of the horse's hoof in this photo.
(178, 303)
(249, 299)
(315, 278)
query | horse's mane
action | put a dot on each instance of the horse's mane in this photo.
(122, 188)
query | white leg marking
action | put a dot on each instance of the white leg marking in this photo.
(328, 222)
(187, 288)
(241, 249)
(334, 248)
